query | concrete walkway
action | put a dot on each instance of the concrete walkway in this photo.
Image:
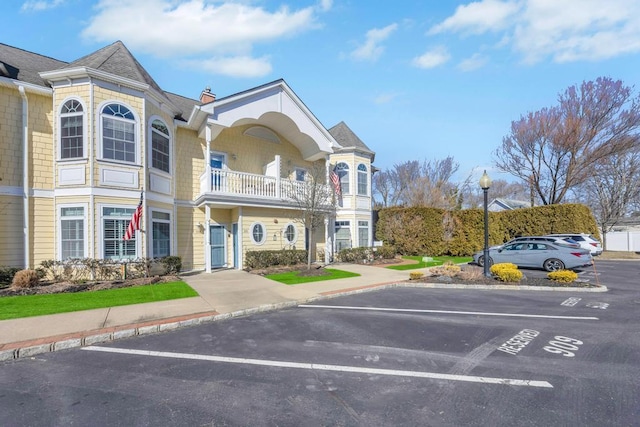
(222, 294)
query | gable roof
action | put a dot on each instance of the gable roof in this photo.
(24, 66)
(116, 59)
(508, 204)
(348, 139)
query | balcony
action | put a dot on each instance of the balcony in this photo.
(234, 186)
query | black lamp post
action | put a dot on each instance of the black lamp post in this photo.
(485, 183)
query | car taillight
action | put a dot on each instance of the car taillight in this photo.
(578, 254)
(594, 244)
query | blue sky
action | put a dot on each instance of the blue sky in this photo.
(415, 80)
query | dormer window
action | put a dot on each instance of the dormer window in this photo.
(71, 130)
(118, 133)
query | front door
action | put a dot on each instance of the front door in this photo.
(217, 173)
(216, 235)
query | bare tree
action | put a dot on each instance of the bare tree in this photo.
(553, 149)
(419, 184)
(315, 200)
(614, 190)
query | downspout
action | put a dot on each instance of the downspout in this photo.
(25, 175)
(91, 117)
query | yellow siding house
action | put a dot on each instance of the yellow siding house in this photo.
(82, 144)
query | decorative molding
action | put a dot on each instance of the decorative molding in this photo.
(71, 175)
(119, 177)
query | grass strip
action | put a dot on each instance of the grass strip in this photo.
(37, 305)
(293, 278)
(420, 264)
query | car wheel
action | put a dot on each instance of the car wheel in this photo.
(553, 264)
(481, 261)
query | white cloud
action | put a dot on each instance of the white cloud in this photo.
(187, 28)
(36, 6)
(385, 98)
(237, 66)
(432, 58)
(478, 17)
(371, 49)
(564, 31)
(473, 62)
(326, 5)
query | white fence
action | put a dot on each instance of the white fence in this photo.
(628, 241)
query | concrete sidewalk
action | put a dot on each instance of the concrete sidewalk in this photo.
(222, 294)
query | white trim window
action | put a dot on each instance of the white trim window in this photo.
(342, 170)
(115, 221)
(160, 234)
(363, 179)
(72, 232)
(363, 233)
(301, 174)
(119, 140)
(258, 233)
(343, 235)
(160, 146)
(290, 234)
(72, 130)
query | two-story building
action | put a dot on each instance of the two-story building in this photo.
(83, 143)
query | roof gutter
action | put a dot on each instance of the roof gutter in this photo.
(25, 175)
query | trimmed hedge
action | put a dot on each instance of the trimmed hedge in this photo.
(264, 259)
(364, 255)
(420, 230)
(563, 276)
(6, 275)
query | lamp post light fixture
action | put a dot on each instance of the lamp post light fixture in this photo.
(485, 183)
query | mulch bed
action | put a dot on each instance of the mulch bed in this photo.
(68, 287)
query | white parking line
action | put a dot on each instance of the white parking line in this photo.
(475, 313)
(322, 367)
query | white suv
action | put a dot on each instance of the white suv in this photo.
(586, 241)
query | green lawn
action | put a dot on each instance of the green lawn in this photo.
(292, 277)
(439, 260)
(38, 305)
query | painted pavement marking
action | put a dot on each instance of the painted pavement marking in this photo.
(474, 313)
(323, 367)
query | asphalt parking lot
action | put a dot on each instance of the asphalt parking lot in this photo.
(404, 356)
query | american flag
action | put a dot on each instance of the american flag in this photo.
(134, 224)
(335, 180)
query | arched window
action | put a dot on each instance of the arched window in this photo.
(342, 170)
(257, 233)
(71, 130)
(363, 180)
(118, 133)
(160, 155)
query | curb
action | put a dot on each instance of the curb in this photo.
(32, 348)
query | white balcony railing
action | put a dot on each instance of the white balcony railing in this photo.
(223, 181)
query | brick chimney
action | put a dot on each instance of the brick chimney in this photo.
(206, 96)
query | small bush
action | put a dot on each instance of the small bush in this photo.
(6, 274)
(25, 279)
(471, 274)
(414, 275)
(447, 269)
(265, 259)
(563, 276)
(506, 272)
(171, 264)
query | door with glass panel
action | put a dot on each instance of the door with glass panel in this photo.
(216, 235)
(217, 171)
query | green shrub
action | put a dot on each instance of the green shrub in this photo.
(6, 274)
(563, 276)
(171, 264)
(366, 255)
(25, 279)
(264, 259)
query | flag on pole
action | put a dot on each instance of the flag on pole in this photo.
(335, 180)
(134, 224)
